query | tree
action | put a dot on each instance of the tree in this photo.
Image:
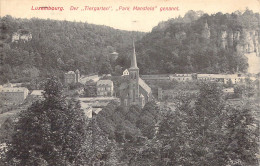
(50, 132)
(242, 134)
(207, 123)
(118, 70)
(90, 91)
(105, 68)
(193, 134)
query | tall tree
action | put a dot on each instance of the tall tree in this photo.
(50, 132)
(242, 134)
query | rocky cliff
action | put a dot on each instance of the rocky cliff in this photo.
(245, 41)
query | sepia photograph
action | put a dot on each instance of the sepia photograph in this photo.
(129, 83)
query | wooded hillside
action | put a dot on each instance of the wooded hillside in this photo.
(56, 47)
(199, 43)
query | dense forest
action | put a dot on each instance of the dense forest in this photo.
(199, 43)
(56, 47)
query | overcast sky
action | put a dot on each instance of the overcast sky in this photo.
(125, 20)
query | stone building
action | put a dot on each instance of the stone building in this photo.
(134, 91)
(105, 88)
(72, 77)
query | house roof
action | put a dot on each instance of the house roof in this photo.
(37, 92)
(126, 70)
(13, 89)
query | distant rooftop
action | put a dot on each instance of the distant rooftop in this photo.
(71, 72)
(37, 92)
(104, 82)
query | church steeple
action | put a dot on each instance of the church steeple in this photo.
(133, 58)
(134, 79)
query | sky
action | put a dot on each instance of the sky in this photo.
(115, 16)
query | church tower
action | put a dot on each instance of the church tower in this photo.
(134, 79)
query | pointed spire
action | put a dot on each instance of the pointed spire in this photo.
(133, 59)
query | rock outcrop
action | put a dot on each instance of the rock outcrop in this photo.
(21, 35)
(246, 41)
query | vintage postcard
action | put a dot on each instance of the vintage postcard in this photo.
(129, 82)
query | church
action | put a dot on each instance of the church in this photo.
(134, 91)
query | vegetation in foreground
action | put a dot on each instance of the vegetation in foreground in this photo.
(204, 129)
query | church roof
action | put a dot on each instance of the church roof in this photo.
(144, 86)
(140, 82)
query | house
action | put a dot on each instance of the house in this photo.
(105, 88)
(37, 94)
(72, 77)
(125, 73)
(11, 95)
(211, 77)
(134, 91)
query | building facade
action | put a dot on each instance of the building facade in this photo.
(11, 95)
(105, 88)
(224, 78)
(181, 77)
